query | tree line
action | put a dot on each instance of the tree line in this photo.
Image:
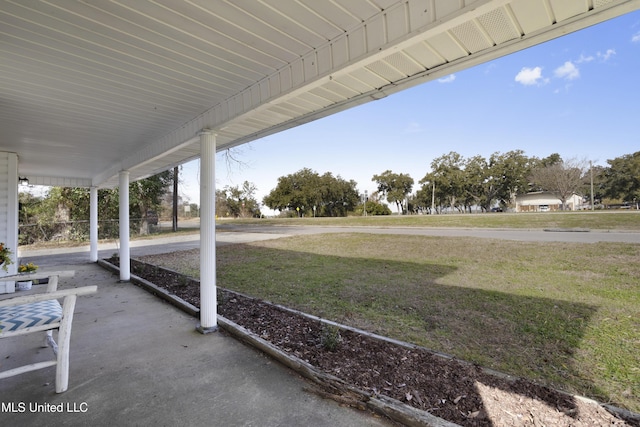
(459, 184)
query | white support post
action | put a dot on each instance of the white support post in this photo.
(9, 217)
(93, 224)
(208, 297)
(125, 262)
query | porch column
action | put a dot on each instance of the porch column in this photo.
(208, 298)
(125, 262)
(93, 224)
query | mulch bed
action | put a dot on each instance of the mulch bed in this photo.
(447, 388)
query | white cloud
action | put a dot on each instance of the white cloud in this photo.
(584, 59)
(608, 54)
(490, 68)
(567, 71)
(564, 89)
(450, 78)
(530, 76)
(636, 38)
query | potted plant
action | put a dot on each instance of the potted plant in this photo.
(5, 256)
(5, 261)
(25, 285)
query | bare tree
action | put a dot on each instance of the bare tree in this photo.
(562, 178)
(232, 157)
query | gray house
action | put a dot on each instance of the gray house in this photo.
(546, 201)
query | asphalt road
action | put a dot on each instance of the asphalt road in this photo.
(228, 234)
(551, 235)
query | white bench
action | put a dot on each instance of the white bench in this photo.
(41, 312)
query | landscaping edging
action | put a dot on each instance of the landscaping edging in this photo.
(392, 408)
(337, 388)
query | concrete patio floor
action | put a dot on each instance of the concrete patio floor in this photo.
(136, 360)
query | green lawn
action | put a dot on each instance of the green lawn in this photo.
(601, 220)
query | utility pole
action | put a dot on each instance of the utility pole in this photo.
(366, 195)
(175, 199)
(591, 171)
(433, 198)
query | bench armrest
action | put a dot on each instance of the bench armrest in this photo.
(27, 299)
(37, 275)
(53, 277)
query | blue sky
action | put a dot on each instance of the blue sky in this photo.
(578, 96)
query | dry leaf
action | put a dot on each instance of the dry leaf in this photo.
(416, 395)
(473, 414)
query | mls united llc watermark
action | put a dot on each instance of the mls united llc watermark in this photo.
(32, 407)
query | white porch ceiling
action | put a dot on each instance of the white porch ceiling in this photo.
(90, 88)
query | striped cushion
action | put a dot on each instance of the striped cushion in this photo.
(29, 315)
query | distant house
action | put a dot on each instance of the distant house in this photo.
(546, 201)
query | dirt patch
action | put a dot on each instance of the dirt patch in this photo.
(453, 390)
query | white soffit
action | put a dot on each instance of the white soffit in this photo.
(88, 89)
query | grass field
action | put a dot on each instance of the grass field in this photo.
(600, 220)
(566, 314)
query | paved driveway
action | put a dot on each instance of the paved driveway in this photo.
(551, 235)
(228, 234)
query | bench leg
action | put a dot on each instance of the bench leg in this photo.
(64, 338)
(48, 336)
